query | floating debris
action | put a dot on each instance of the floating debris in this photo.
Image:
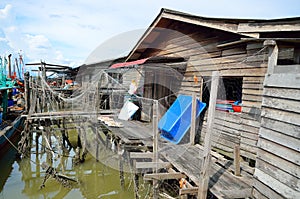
(51, 172)
(108, 194)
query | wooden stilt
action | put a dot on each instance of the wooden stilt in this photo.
(135, 181)
(122, 180)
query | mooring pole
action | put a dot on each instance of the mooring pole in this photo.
(27, 92)
(206, 156)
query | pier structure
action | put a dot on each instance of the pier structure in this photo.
(195, 169)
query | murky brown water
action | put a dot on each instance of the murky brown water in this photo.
(23, 178)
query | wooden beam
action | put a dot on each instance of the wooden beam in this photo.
(206, 157)
(155, 147)
(149, 165)
(237, 163)
(283, 80)
(191, 190)
(273, 55)
(267, 27)
(163, 176)
(240, 193)
(140, 155)
(193, 119)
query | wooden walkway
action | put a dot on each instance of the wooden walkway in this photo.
(222, 183)
(132, 132)
(186, 159)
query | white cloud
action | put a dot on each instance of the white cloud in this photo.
(59, 31)
(5, 11)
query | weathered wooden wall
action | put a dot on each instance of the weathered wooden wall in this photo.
(205, 56)
(277, 172)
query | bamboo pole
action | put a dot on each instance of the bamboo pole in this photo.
(206, 156)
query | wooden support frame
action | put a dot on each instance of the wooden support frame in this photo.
(206, 158)
(193, 119)
(273, 55)
(152, 165)
(164, 176)
(140, 155)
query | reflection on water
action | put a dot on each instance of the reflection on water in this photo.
(23, 178)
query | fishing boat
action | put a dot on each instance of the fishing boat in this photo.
(12, 106)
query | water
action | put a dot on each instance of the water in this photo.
(22, 178)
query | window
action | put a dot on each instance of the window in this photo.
(116, 78)
(230, 88)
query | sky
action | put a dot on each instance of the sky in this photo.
(68, 31)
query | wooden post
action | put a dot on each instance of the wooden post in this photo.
(273, 55)
(206, 156)
(201, 89)
(27, 92)
(193, 119)
(122, 180)
(135, 181)
(237, 165)
(155, 145)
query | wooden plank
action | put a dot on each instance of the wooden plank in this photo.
(283, 80)
(267, 27)
(252, 136)
(227, 130)
(149, 165)
(256, 80)
(192, 190)
(247, 154)
(227, 124)
(253, 85)
(238, 193)
(258, 195)
(283, 104)
(264, 190)
(279, 162)
(277, 149)
(193, 120)
(272, 56)
(248, 141)
(163, 176)
(286, 93)
(250, 122)
(279, 138)
(280, 175)
(287, 117)
(287, 69)
(206, 157)
(195, 67)
(253, 91)
(274, 184)
(282, 127)
(140, 155)
(237, 164)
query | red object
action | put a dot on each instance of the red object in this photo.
(237, 108)
(69, 81)
(120, 65)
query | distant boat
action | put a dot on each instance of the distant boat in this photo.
(11, 122)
